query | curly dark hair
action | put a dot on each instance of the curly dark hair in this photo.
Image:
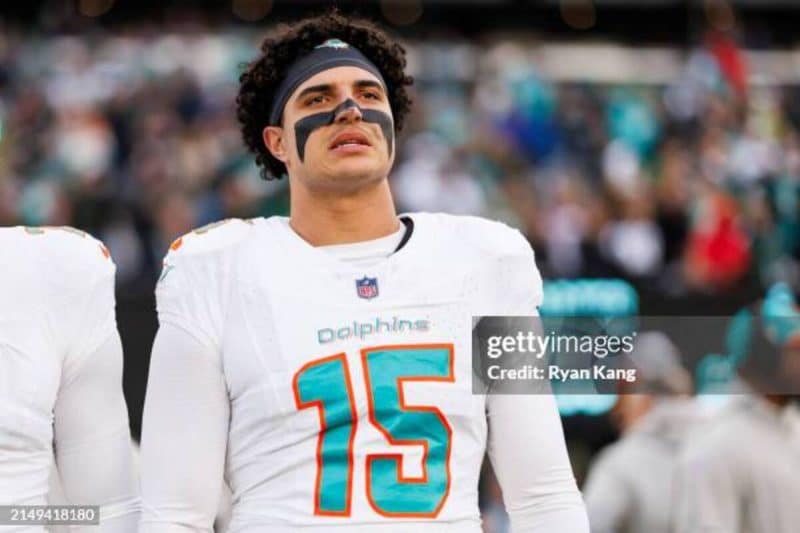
(258, 83)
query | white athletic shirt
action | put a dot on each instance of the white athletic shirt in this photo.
(365, 254)
(61, 377)
(264, 339)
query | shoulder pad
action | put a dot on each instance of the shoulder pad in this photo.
(211, 237)
(66, 246)
(496, 238)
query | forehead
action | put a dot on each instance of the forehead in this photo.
(338, 76)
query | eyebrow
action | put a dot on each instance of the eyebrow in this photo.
(361, 84)
(322, 88)
(328, 87)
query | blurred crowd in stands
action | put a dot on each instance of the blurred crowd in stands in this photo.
(687, 186)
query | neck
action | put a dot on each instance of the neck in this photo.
(325, 218)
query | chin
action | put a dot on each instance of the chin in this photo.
(355, 172)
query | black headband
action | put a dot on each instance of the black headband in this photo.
(332, 53)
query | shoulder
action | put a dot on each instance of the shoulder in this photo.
(193, 288)
(62, 252)
(55, 268)
(217, 238)
(477, 234)
(199, 263)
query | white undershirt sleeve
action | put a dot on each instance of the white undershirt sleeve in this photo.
(92, 442)
(184, 434)
(527, 450)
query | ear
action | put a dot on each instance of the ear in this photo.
(273, 140)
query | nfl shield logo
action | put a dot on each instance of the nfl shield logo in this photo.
(367, 288)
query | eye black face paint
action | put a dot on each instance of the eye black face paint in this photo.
(304, 127)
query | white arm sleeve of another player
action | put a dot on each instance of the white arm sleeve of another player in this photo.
(92, 442)
(184, 434)
(526, 441)
(94, 454)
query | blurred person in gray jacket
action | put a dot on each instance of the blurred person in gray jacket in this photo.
(742, 473)
(629, 486)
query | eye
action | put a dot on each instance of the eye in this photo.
(316, 99)
(371, 95)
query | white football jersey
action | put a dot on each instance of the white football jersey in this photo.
(350, 388)
(57, 307)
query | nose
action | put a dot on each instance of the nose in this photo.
(347, 111)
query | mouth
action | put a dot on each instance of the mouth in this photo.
(350, 141)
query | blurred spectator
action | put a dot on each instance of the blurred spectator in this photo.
(718, 249)
(630, 483)
(740, 474)
(682, 186)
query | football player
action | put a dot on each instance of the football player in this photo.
(321, 364)
(61, 378)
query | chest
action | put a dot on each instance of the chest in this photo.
(406, 338)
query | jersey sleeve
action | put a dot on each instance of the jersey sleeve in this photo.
(186, 404)
(526, 442)
(78, 273)
(519, 284)
(186, 297)
(191, 291)
(92, 443)
(509, 281)
(527, 450)
(187, 399)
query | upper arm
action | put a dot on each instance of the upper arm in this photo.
(191, 292)
(187, 409)
(92, 443)
(82, 300)
(85, 322)
(184, 433)
(516, 282)
(526, 442)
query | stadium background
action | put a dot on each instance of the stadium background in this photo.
(652, 141)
